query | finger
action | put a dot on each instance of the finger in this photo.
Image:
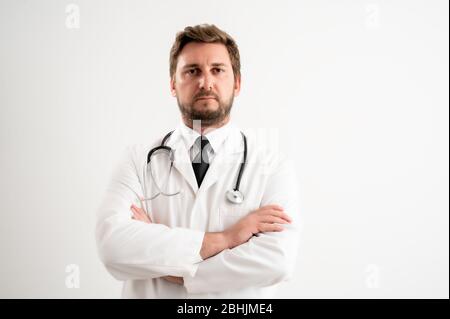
(286, 217)
(281, 215)
(277, 213)
(135, 210)
(140, 214)
(137, 214)
(273, 206)
(274, 219)
(137, 217)
(143, 217)
(138, 211)
(141, 211)
(264, 227)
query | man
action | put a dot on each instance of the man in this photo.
(197, 244)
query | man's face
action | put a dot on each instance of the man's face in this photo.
(204, 83)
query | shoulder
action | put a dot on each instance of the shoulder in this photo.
(265, 149)
(136, 153)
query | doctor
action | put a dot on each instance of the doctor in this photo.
(190, 240)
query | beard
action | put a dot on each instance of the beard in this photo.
(208, 117)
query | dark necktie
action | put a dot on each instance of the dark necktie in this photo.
(201, 162)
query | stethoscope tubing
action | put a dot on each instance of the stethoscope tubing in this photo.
(163, 147)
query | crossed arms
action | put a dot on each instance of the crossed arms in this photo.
(259, 250)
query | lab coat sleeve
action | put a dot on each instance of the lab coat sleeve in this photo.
(264, 260)
(132, 249)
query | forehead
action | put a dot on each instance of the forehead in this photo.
(203, 54)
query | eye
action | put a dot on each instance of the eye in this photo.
(219, 70)
(191, 71)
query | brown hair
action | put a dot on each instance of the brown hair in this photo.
(207, 33)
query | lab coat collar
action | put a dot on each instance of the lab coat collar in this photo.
(231, 146)
(215, 137)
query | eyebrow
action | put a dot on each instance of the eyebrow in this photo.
(195, 65)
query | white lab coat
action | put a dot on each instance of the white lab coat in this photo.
(139, 253)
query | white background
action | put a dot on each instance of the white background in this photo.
(357, 89)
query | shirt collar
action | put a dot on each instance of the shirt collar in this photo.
(215, 137)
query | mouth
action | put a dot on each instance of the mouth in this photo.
(206, 98)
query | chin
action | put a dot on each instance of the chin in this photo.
(211, 103)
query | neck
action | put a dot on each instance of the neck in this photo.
(202, 127)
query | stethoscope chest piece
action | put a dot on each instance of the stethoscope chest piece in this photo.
(235, 196)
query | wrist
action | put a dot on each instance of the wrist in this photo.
(227, 239)
(214, 243)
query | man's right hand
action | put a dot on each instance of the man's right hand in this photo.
(264, 219)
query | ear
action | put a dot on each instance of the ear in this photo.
(237, 85)
(172, 86)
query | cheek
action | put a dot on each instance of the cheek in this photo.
(183, 89)
(181, 83)
(226, 90)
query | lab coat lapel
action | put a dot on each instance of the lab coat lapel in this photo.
(182, 161)
(227, 156)
(183, 164)
(224, 159)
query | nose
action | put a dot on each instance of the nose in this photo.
(206, 82)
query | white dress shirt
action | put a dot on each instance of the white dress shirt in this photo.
(215, 137)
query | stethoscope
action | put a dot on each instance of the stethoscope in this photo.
(234, 195)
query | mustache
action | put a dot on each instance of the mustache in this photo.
(205, 94)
